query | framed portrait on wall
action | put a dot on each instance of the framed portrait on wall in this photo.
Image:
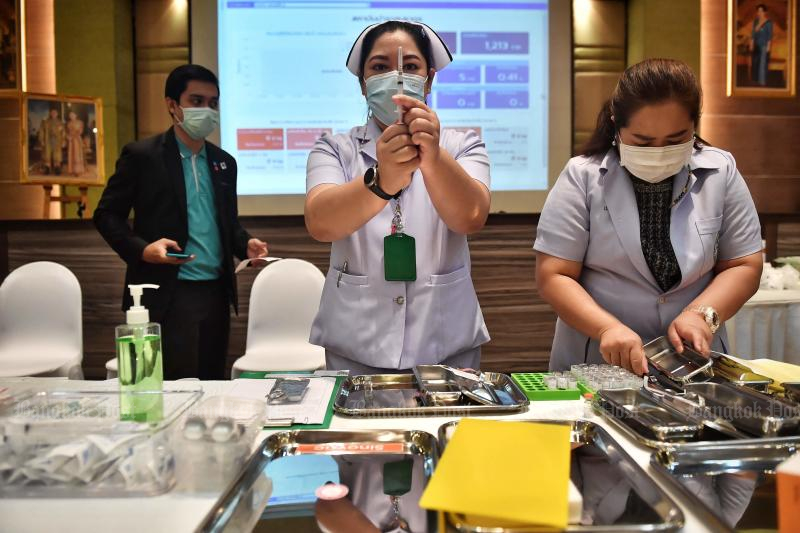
(62, 138)
(762, 48)
(9, 46)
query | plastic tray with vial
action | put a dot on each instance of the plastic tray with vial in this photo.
(215, 439)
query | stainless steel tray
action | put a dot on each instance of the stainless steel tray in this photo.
(679, 367)
(399, 395)
(444, 385)
(645, 414)
(791, 390)
(735, 372)
(358, 457)
(730, 487)
(716, 430)
(693, 407)
(618, 495)
(708, 437)
(750, 411)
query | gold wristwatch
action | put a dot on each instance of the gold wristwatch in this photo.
(709, 314)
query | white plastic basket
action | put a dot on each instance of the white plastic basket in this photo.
(71, 443)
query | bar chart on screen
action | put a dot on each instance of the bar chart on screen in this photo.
(285, 84)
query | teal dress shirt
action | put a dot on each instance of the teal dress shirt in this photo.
(204, 239)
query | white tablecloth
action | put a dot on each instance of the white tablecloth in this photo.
(767, 326)
(176, 513)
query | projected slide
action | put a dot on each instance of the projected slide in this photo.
(284, 82)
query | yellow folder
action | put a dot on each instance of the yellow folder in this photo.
(777, 370)
(515, 471)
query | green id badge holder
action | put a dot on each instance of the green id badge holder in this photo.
(400, 257)
(397, 478)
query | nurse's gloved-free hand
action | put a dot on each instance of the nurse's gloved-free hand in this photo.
(690, 326)
(398, 158)
(621, 346)
(423, 124)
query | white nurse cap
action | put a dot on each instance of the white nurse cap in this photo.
(440, 55)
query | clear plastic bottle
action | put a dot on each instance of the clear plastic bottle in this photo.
(139, 363)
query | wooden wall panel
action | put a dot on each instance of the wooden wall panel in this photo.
(659, 28)
(25, 201)
(788, 240)
(40, 47)
(162, 43)
(18, 201)
(598, 60)
(520, 322)
(764, 146)
(762, 133)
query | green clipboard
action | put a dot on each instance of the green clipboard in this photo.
(326, 423)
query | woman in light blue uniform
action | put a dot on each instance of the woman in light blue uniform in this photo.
(650, 232)
(396, 198)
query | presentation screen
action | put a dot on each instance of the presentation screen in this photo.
(283, 76)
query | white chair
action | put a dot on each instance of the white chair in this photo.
(41, 331)
(283, 303)
(111, 369)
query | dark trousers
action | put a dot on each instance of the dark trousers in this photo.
(195, 331)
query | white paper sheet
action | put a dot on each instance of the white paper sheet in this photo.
(243, 264)
(311, 410)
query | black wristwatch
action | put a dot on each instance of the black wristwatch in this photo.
(371, 181)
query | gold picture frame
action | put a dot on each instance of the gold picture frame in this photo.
(762, 37)
(62, 140)
(10, 46)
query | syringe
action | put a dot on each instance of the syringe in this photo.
(399, 82)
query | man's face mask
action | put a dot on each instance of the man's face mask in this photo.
(199, 122)
(655, 164)
(381, 88)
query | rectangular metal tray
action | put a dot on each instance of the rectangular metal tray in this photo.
(716, 431)
(735, 372)
(679, 367)
(648, 416)
(444, 385)
(791, 391)
(693, 407)
(748, 410)
(358, 456)
(399, 395)
(600, 467)
(731, 488)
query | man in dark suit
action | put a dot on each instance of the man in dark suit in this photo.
(182, 190)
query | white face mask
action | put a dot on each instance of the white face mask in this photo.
(655, 164)
(198, 122)
(381, 88)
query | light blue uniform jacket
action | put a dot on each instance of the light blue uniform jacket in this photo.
(591, 217)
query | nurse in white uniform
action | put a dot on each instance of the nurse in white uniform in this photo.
(650, 232)
(396, 198)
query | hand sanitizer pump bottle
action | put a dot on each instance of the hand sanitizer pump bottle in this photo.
(139, 362)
